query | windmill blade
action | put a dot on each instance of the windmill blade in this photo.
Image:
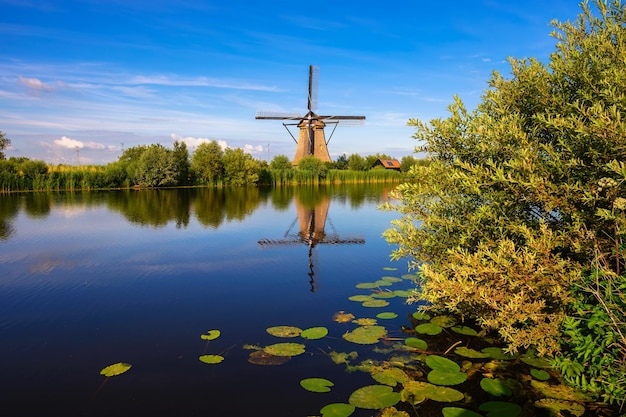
(345, 120)
(314, 80)
(278, 116)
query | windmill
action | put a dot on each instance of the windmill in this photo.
(311, 140)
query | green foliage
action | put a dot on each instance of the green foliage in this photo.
(207, 163)
(183, 165)
(357, 163)
(156, 167)
(240, 168)
(281, 162)
(314, 166)
(524, 195)
(4, 143)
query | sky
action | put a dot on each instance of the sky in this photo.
(82, 80)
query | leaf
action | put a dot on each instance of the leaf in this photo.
(414, 342)
(470, 353)
(284, 331)
(360, 298)
(386, 315)
(374, 397)
(263, 358)
(446, 378)
(540, 374)
(115, 369)
(443, 321)
(419, 391)
(365, 335)
(314, 333)
(316, 384)
(285, 349)
(497, 353)
(429, 329)
(421, 315)
(442, 364)
(458, 412)
(464, 330)
(343, 317)
(366, 285)
(337, 410)
(495, 387)
(375, 303)
(211, 335)
(390, 376)
(365, 322)
(500, 409)
(211, 359)
(391, 279)
(403, 293)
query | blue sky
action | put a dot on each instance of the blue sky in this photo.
(81, 80)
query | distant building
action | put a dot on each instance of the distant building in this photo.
(388, 164)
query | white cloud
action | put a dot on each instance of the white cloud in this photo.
(66, 142)
(253, 149)
(35, 84)
(193, 142)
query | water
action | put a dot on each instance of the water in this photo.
(91, 279)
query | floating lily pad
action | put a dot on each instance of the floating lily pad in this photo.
(374, 397)
(495, 387)
(458, 412)
(391, 279)
(384, 294)
(115, 369)
(500, 409)
(211, 335)
(419, 391)
(262, 358)
(316, 384)
(366, 285)
(560, 392)
(365, 335)
(365, 322)
(429, 329)
(343, 317)
(386, 315)
(314, 333)
(342, 357)
(443, 321)
(464, 330)
(390, 376)
(536, 362)
(498, 353)
(446, 378)
(383, 283)
(360, 298)
(375, 303)
(442, 364)
(211, 359)
(540, 374)
(337, 410)
(390, 268)
(410, 276)
(556, 406)
(421, 315)
(284, 331)
(404, 293)
(470, 353)
(414, 342)
(285, 349)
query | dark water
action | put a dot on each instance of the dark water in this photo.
(91, 279)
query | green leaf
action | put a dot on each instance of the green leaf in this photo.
(337, 410)
(316, 384)
(429, 329)
(115, 369)
(419, 391)
(446, 378)
(374, 397)
(497, 353)
(500, 409)
(443, 321)
(540, 374)
(211, 335)
(470, 353)
(495, 387)
(365, 335)
(285, 349)
(375, 303)
(390, 376)
(314, 333)
(421, 315)
(360, 298)
(211, 359)
(458, 412)
(464, 330)
(387, 315)
(284, 331)
(414, 342)
(442, 364)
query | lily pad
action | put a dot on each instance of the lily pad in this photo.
(429, 329)
(285, 349)
(284, 331)
(500, 409)
(464, 330)
(211, 359)
(384, 294)
(374, 397)
(386, 315)
(495, 387)
(391, 279)
(115, 369)
(458, 412)
(262, 358)
(446, 378)
(556, 406)
(366, 285)
(390, 376)
(404, 293)
(383, 283)
(343, 317)
(421, 315)
(540, 374)
(365, 322)
(414, 342)
(314, 333)
(470, 353)
(390, 268)
(365, 335)
(443, 321)
(442, 364)
(316, 384)
(418, 391)
(337, 410)
(375, 303)
(498, 353)
(211, 335)
(360, 298)
(536, 362)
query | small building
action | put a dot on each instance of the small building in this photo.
(388, 164)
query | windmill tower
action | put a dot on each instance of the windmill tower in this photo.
(311, 139)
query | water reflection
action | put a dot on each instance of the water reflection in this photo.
(312, 213)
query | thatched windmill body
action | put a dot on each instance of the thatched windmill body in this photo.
(311, 139)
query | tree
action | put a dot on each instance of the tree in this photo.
(4, 144)
(156, 168)
(207, 163)
(341, 162)
(520, 214)
(183, 166)
(406, 163)
(313, 165)
(240, 168)
(357, 163)
(281, 162)
(370, 160)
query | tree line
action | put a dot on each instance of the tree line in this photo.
(209, 164)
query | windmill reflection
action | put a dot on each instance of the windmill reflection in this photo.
(312, 222)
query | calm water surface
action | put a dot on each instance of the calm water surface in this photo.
(91, 279)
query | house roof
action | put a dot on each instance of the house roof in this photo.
(390, 163)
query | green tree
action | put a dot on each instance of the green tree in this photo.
(281, 162)
(407, 162)
(130, 159)
(156, 168)
(4, 144)
(357, 163)
(207, 163)
(240, 168)
(519, 216)
(313, 165)
(341, 162)
(183, 166)
(370, 160)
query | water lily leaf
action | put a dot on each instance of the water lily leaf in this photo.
(391, 279)
(115, 369)
(374, 397)
(384, 294)
(365, 335)
(443, 321)
(403, 293)
(366, 285)
(442, 364)
(498, 353)
(337, 410)
(314, 333)
(429, 329)
(316, 384)
(342, 317)
(360, 298)
(211, 335)
(495, 387)
(285, 349)
(386, 315)
(500, 409)
(365, 322)
(421, 315)
(540, 374)
(464, 330)
(414, 342)
(383, 283)
(262, 358)
(470, 353)
(560, 392)
(446, 378)
(418, 391)
(390, 376)
(556, 406)
(375, 303)
(211, 359)
(536, 362)
(458, 412)
(284, 331)
(342, 357)
(390, 268)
